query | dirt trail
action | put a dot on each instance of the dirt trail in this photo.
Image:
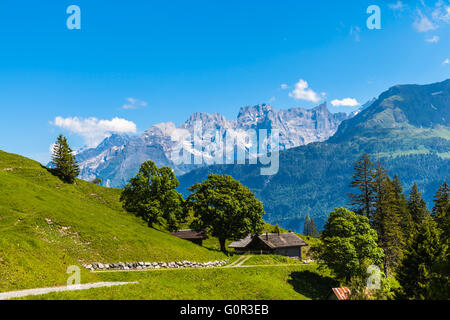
(39, 291)
(242, 261)
(238, 263)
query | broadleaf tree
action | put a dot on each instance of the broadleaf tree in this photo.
(151, 195)
(225, 208)
(348, 245)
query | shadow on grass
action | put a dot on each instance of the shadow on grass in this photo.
(53, 172)
(50, 170)
(311, 284)
(212, 249)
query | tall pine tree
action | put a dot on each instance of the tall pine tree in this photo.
(63, 161)
(442, 207)
(421, 273)
(441, 214)
(276, 229)
(386, 220)
(313, 229)
(307, 226)
(417, 206)
(363, 179)
(401, 206)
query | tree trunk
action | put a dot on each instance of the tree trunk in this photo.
(385, 265)
(222, 245)
(348, 278)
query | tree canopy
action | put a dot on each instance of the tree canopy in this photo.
(417, 205)
(363, 180)
(151, 195)
(387, 218)
(441, 208)
(226, 208)
(309, 228)
(348, 244)
(424, 272)
(63, 161)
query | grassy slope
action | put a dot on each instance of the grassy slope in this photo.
(266, 259)
(264, 283)
(46, 225)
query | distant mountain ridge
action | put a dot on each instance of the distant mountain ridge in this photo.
(119, 157)
(407, 128)
(402, 106)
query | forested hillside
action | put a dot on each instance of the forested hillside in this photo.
(314, 179)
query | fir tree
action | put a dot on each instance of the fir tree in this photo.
(363, 179)
(401, 206)
(417, 206)
(441, 207)
(313, 229)
(63, 161)
(422, 274)
(387, 220)
(276, 229)
(307, 226)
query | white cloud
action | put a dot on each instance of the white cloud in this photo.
(347, 102)
(446, 61)
(134, 103)
(284, 86)
(396, 6)
(94, 130)
(423, 24)
(432, 17)
(441, 13)
(433, 39)
(302, 92)
(50, 148)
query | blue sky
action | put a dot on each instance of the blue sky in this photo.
(137, 63)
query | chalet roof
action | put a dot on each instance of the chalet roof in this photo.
(273, 240)
(342, 293)
(241, 243)
(190, 234)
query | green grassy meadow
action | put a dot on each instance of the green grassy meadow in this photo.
(302, 282)
(46, 226)
(266, 259)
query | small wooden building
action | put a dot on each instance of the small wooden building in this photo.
(285, 244)
(196, 237)
(342, 293)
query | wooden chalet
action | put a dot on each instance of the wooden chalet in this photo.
(285, 244)
(196, 237)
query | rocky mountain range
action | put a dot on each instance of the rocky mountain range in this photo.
(201, 139)
(407, 129)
